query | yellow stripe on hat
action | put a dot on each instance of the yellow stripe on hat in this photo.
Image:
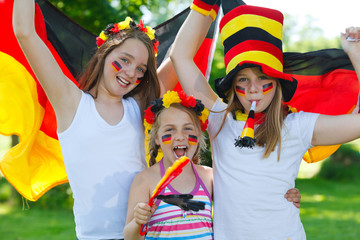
(248, 20)
(255, 56)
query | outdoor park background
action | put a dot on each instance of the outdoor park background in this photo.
(330, 205)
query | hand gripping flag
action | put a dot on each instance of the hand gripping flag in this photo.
(170, 174)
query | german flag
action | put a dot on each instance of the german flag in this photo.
(267, 88)
(116, 66)
(327, 84)
(166, 139)
(240, 90)
(34, 165)
(192, 139)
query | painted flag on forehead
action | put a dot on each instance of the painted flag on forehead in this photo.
(35, 165)
(327, 84)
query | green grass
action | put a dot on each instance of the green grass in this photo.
(35, 224)
(330, 210)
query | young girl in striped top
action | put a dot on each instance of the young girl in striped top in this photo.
(175, 124)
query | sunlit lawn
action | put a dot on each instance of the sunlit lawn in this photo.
(34, 224)
(330, 210)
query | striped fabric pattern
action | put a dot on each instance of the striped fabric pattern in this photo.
(252, 34)
(171, 222)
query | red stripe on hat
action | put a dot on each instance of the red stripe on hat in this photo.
(253, 45)
(246, 9)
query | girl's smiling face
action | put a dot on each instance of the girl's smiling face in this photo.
(124, 67)
(177, 134)
(253, 85)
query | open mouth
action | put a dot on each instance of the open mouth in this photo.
(180, 151)
(122, 81)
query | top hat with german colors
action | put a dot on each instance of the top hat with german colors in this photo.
(252, 36)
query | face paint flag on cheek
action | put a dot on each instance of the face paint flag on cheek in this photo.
(247, 136)
(240, 91)
(116, 66)
(166, 139)
(192, 139)
(138, 81)
(267, 88)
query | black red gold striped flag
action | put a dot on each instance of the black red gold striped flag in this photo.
(327, 84)
(35, 165)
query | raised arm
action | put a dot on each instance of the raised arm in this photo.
(331, 130)
(167, 76)
(187, 42)
(62, 93)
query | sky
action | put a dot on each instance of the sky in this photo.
(329, 15)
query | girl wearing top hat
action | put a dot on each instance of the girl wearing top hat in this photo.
(245, 172)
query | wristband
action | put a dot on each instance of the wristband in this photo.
(205, 7)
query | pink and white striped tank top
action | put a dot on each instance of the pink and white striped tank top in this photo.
(171, 222)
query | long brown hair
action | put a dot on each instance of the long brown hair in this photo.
(267, 134)
(154, 148)
(148, 88)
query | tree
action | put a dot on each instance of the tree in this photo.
(95, 15)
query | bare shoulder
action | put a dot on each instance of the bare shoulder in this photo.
(149, 176)
(206, 175)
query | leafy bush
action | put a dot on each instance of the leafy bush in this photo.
(59, 197)
(344, 164)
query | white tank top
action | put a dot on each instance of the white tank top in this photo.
(101, 161)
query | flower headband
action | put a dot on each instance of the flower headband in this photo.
(171, 97)
(128, 23)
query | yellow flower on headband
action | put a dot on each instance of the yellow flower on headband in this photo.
(103, 36)
(170, 97)
(204, 115)
(150, 32)
(125, 24)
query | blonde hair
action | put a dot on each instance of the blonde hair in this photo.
(267, 134)
(154, 148)
(148, 88)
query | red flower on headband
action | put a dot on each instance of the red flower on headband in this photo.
(204, 125)
(187, 101)
(99, 41)
(141, 26)
(149, 115)
(115, 29)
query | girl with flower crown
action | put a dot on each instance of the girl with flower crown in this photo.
(99, 125)
(252, 39)
(175, 124)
